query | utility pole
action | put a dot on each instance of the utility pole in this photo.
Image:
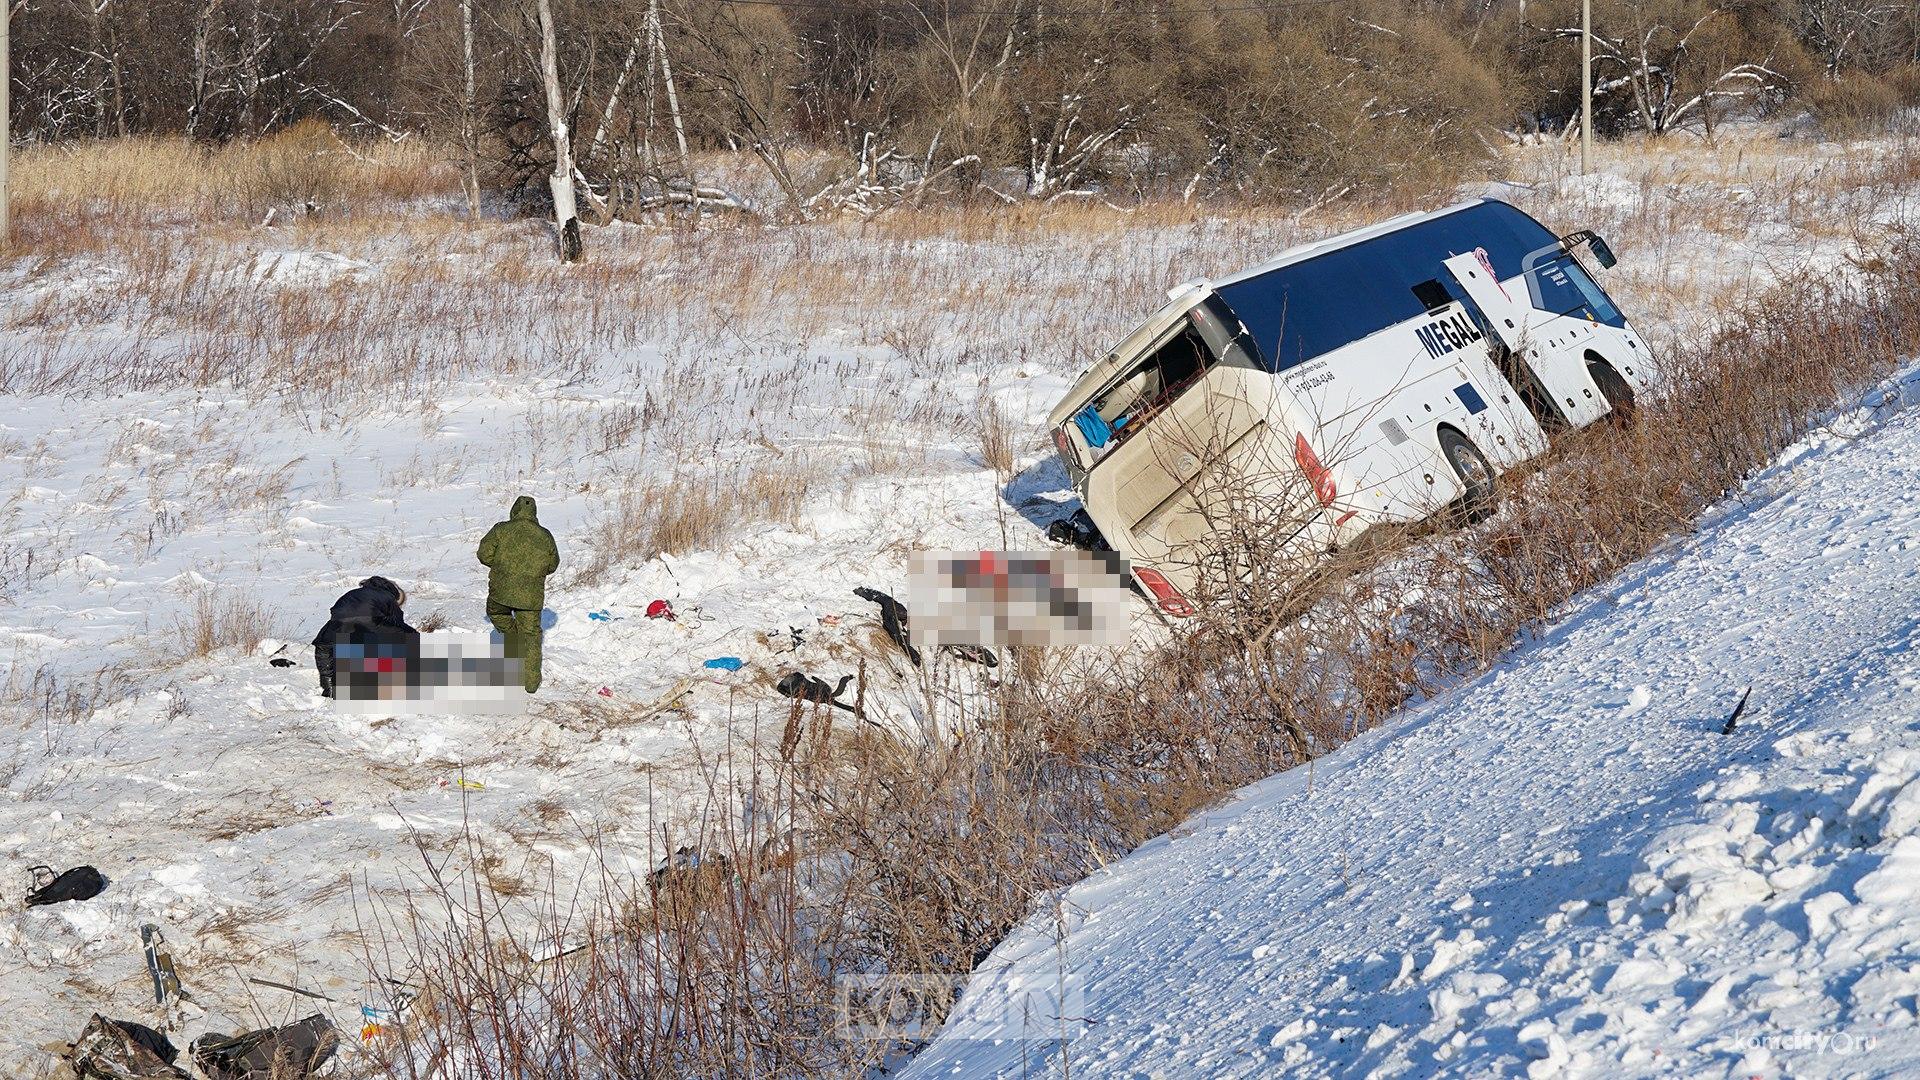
(1586, 84)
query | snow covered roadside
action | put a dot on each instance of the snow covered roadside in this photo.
(258, 827)
(261, 829)
(1564, 867)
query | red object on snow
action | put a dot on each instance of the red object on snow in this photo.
(604, 692)
(660, 609)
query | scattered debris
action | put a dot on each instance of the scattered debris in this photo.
(604, 692)
(829, 620)
(893, 619)
(292, 1052)
(376, 1021)
(726, 663)
(603, 615)
(166, 978)
(686, 858)
(122, 1050)
(673, 700)
(660, 609)
(79, 883)
(1077, 530)
(689, 881)
(802, 687)
(978, 654)
(1738, 710)
(314, 994)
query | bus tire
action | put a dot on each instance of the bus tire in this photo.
(1475, 473)
(1617, 391)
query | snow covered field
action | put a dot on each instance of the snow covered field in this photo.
(1564, 868)
(205, 439)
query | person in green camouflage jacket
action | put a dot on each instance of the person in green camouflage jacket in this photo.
(519, 553)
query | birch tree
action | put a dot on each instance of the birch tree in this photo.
(566, 219)
(103, 62)
(204, 79)
(469, 120)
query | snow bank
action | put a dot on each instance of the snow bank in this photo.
(1564, 868)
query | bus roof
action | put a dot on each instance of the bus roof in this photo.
(1315, 299)
(1266, 324)
(1303, 252)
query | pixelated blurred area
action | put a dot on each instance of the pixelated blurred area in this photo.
(437, 673)
(996, 598)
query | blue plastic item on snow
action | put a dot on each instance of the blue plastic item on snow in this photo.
(603, 615)
(726, 663)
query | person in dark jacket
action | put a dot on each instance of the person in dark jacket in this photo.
(370, 614)
(519, 553)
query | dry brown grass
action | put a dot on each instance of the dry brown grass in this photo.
(79, 196)
(997, 437)
(37, 694)
(215, 622)
(693, 513)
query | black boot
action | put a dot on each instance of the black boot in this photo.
(323, 663)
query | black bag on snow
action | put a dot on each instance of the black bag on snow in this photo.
(123, 1050)
(79, 883)
(292, 1052)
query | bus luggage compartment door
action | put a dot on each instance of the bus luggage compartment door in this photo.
(1158, 485)
(1562, 374)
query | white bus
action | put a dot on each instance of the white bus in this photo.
(1380, 376)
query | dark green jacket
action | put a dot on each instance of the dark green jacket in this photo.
(519, 553)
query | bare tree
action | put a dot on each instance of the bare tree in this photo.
(103, 62)
(469, 125)
(1873, 35)
(204, 75)
(1675, 62)
(746, 66)
(565, 216)
(976, 51)
(1062, 142)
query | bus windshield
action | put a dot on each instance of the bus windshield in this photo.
(1556, 282)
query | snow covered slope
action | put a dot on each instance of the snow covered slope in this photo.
(1564, 867)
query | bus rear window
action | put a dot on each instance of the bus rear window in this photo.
(1148, 386)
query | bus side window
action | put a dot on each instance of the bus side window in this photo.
(1432, 295)
(1226, 337)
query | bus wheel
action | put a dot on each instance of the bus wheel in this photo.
(1475, 475)
(1614, 388)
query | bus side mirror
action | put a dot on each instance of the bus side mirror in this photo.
(1602, 254)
